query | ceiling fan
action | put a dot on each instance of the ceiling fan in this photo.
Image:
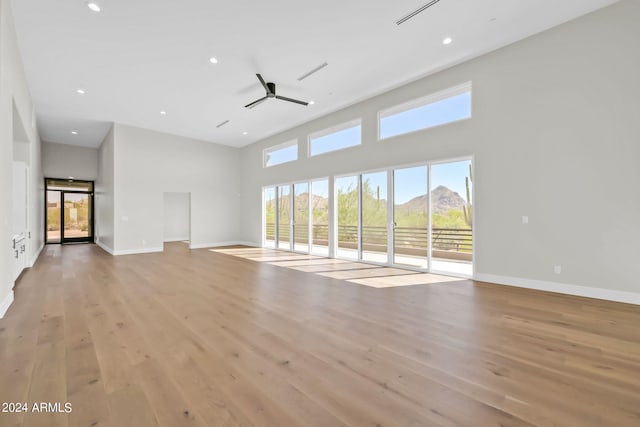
(271, 93)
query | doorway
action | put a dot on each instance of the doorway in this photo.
(69, 211)
(177, 217)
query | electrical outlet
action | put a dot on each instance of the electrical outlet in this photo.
(525, 219)
(144, 242)
(557, 269)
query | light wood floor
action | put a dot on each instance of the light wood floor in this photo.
(202, 338)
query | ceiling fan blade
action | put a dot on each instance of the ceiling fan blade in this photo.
(284, 98)
(256, 102)
(264, 84)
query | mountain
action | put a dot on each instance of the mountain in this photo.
(442, 198)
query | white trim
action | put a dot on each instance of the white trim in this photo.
(274, 148)
(178, 239)
(219, 244)
(104, 247)
(6, 303)
(36, 256)
(138, 251)
(562, 288)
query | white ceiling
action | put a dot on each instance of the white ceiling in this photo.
(136, 58)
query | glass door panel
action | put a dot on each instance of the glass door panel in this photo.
(410, 215)
(301, 217)
(320, 217)
(374, 217)
(347, 217)
(270, 217)
(451, 218)
(77, 218)
(54, 212)
(284, 217)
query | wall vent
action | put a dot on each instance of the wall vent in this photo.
(415, 12)
(315, 70)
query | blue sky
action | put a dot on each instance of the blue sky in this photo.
(448, 110)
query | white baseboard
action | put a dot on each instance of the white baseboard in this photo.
(36, 256)
(6, 302)
(104, 247)
(128, 251)
(562, 288)
(138, 251)
(219, 244)
(177, 239)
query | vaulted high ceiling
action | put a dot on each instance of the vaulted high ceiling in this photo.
(134, 59)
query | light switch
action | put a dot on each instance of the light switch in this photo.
(525, 220)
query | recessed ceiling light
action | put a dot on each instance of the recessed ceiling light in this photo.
(312, 102)
(163, 112)
(447, 40)
(70, 177)
(94, 7)
(244, 133)
(80, 91)
(74, 132)
(213, 60)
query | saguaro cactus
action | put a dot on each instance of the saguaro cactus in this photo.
(468, 208)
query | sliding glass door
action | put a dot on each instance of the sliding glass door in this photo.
(416, 216)
(347, 216)
(284, 217)
(269, 217)
(411, 217)
(320, 217)
(301, 217)
(374, 217)
(452, 217)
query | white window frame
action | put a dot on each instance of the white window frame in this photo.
(423, 101)
(278, 147)
(331, 130)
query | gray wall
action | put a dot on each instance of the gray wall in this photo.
(62, 161)
(104, 200)
(176, 215)
(17, 129)
(554, 135)
(147, 164)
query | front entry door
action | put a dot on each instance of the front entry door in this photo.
(76, 217)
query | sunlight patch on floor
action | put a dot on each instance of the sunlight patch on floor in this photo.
(353, 272)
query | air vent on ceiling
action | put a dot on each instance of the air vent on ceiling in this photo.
(222, 124)
(415, 12)
(315, 70)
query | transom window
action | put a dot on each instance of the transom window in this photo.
(336, 138)
(282, 153)
(447, 106)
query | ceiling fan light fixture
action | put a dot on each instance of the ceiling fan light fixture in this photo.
(270, 89)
